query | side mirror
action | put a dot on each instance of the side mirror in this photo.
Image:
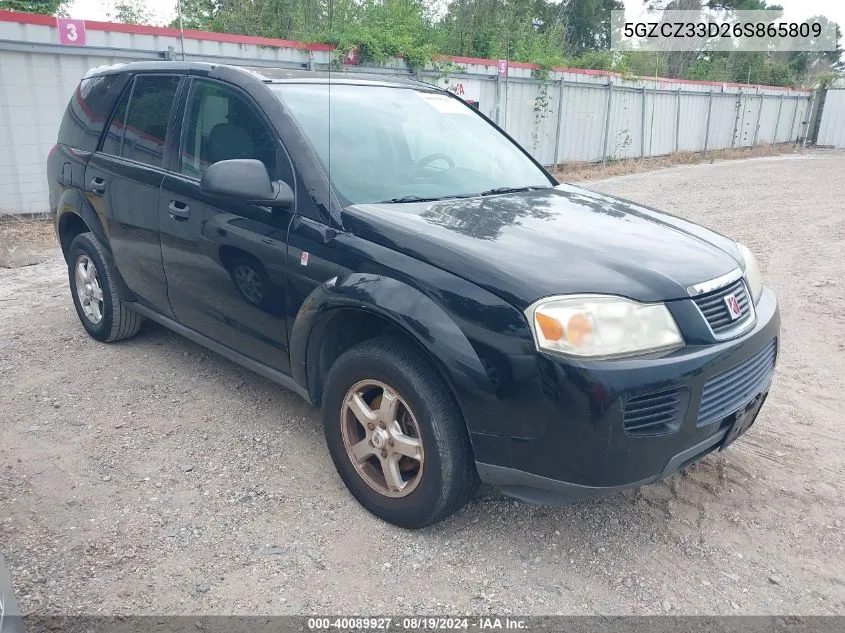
(246, 180)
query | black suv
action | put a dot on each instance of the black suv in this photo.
(385, 251)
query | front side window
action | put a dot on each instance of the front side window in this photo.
(221, 125)
(139, 124)
(381, 143)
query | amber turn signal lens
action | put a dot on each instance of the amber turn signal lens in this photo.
(551, 328)
(578, 329)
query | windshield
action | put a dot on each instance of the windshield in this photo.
(398, 144)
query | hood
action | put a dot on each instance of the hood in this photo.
(560, 240)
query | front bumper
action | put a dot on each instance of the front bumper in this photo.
(574, 444)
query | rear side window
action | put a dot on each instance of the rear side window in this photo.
(113, 141)
(87, 112)
(139, 125)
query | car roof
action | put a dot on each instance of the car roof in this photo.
(267, 74)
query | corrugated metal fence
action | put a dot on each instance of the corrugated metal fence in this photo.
(832, 124)
(577, 118)
(567, 115)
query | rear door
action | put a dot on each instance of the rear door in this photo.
(85, 118)
(225, 261)
(122, 181)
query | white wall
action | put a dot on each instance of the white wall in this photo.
(832, 126)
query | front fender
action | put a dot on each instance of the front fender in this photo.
(417, 315)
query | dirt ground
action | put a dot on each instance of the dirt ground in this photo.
(155, 477)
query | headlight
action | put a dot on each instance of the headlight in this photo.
(752, 273)
(600, 326)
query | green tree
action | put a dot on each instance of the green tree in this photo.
(199, 15)
(385, 28)
(588, 23)
(44, 7)
(814, 63)
(131, 12)
(528, 30)
(547, 32)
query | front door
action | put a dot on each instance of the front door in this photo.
(122, 182)
(225, 261)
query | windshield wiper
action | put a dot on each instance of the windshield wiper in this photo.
(491, 192)
(412, 198)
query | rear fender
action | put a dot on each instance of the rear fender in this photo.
(72, 200)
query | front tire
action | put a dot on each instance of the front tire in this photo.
(250, 280)
(104, 315)
(395, 434)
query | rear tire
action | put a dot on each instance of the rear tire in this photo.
(411, 492)
(104, 315)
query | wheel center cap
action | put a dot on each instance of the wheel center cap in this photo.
(379, 438)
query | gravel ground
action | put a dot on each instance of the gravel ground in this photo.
(154, 477)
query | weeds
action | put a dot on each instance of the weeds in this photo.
(573, 172)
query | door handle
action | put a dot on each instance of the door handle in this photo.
(98, 185)
(179, 210)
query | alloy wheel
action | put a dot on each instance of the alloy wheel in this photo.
(382, 438)
(249, 283)
(88, 289)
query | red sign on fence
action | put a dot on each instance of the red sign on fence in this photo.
(503, 68)
(353, 57)
(71, 32)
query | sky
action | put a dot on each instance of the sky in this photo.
(165, 10)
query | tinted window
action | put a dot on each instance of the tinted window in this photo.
(220, 125)
(114, 135)
(146, 121)
(87, 111)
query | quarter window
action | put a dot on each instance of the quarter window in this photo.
(87, 112)
(139, 125)
(221, 125)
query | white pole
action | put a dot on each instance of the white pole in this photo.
(181, 28)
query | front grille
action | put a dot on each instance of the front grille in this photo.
(715, 310)
(655, 413)
(732, 390)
